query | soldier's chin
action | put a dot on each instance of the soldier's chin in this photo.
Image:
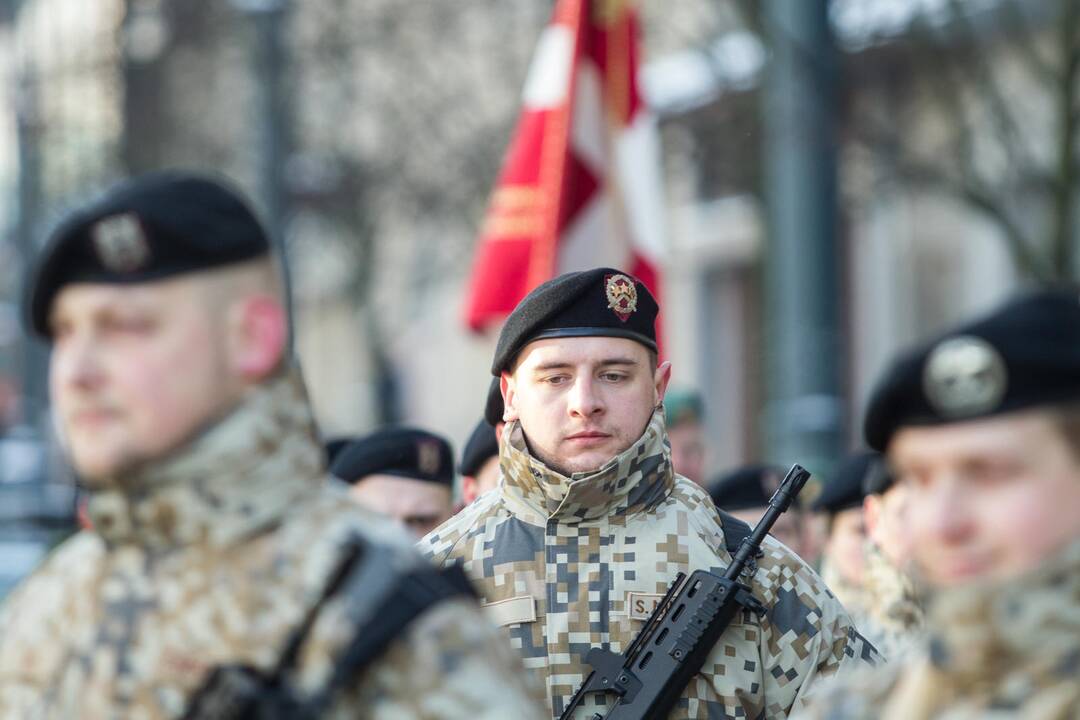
(97, 472)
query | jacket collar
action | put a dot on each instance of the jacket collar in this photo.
(236, 477)
(635, 479)
(1029, 624)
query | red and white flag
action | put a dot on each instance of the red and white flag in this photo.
(580, 183)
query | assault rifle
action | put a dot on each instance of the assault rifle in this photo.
(647, 680)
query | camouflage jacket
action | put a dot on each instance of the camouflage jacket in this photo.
(853, 596)
(565, 564)
(213, 556)
(894, 615)
(1008, 651)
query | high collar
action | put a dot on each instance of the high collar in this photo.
(237, 476)
(635, 479)
(895, 599)
(1030, 624)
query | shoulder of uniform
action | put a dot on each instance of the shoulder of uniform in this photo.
(330, 512)
(702, 512)
(853, 695)
(439, 544)
(41, 597)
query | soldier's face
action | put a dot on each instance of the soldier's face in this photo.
(582, 401)
(888, 525)
(688, 450)
(988, 499)
(419, 505)
(844, 548)
(134, 371)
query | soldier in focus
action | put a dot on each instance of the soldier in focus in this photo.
(403, 473)
(843, 564)
(590, 524)
(982, 426)
(217, 538)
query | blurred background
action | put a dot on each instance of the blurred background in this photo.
(839, 179)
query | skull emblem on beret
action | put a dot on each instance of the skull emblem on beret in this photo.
(964, 376)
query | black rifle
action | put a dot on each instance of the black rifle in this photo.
(647, 680)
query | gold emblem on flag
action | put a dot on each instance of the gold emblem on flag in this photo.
(121, 243)
(964, 376)
(621, 295)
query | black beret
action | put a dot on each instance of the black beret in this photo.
(482, 446)
(844, 488)
(147, 228)
(493, 408)
(402, 451)
(602, 301)
(747, 487)
(334, 447)
(1024, 354)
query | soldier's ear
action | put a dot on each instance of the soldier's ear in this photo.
(509, 392)
(661, 378)
(259, 333)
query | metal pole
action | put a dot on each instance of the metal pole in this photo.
(804, 411)
(271, 137)
(28, 126)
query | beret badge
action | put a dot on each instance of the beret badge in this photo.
(621, 295)
(121, 243)
(964, 376)
(427, 456)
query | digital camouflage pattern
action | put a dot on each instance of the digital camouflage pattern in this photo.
(212, 556)
(1000, 651)
(566, 564)
(894, 614)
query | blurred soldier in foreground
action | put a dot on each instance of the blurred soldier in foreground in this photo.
(745, 493)
(894, 615)
(480, 459)
(218, 540)
(400, 472)
(589, 524)
(982, 426)
(684, 413)
(844, 561)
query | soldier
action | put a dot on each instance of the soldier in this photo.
(683, 411)
(590, 524)
(480, 459)
(403, 473)
(894, 615)
(844, 559)
(982, 426)
(217, 538)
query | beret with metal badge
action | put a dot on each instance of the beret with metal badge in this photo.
(589, 303)
(1024, 354)
(401, 451)
(148, 228)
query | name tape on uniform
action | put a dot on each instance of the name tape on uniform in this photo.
(521, 609)
(641, 605)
